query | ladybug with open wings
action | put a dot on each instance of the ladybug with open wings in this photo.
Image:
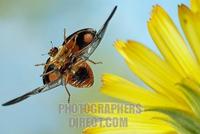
(67, 64)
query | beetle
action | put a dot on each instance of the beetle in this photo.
(67, 64)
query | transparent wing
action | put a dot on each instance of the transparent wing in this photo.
(38, 90)
(87, 51)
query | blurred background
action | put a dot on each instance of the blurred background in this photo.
(26, 29)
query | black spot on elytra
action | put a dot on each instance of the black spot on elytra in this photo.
(78, 32)
(80, 40)
(46, 77)
(81, 75)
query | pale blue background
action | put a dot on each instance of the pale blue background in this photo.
(26, 29)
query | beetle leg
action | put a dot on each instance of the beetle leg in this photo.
(41, 64)
(65, 85)
(48, 72)
(65, 34)
(91, 61)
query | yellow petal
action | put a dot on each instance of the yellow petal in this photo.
(171, 44)
(143, 129)
(152, 70)
(144, 123)
(120, 88)
(188, 22)
(142, 117)
(195, 5)
(140, 124)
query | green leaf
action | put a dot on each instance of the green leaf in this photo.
(190, 88)
(183, 122)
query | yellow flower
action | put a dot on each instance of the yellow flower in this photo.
(172, 105)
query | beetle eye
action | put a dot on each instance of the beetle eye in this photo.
(53, 51)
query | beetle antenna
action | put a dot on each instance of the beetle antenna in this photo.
(65, 34)
(51, 44)
(44, 54)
